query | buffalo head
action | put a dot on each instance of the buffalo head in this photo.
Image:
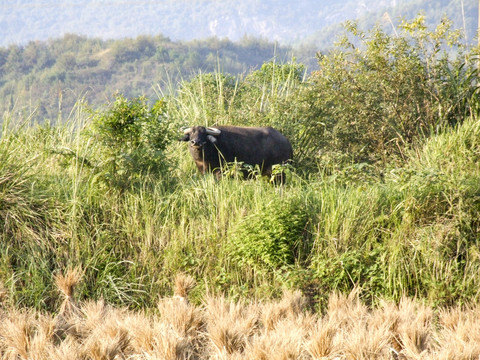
(199, 135)
(202, 147)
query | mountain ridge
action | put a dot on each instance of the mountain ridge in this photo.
(281, 20)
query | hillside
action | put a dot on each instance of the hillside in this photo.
(369, 250)
(283, 21)
(43, 79)
(382, 196)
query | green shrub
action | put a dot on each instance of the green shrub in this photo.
(357, 267)
(377, 94)
(272, 238)
(132, 136)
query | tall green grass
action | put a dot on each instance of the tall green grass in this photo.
(415, 233)
(108, 192)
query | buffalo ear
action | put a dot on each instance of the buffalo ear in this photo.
(185, 138)
(212, 139)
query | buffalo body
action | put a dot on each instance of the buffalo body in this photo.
(211, 148)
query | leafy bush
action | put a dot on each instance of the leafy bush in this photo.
(377, 94)
(273, 237)
(360, 267)
(132, 136)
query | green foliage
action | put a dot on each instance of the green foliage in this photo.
(389, 204)
(416, 233)
(133, 136)
(380, 93)
(251, 101)
(272, 73)
(356, 267)
(46, 79)
(211, 94)
(273, 237)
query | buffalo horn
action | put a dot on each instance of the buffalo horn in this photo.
(187, 130)
(213, 131)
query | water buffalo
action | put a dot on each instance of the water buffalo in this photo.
(213, 147)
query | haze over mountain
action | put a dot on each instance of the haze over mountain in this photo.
(288, 22)
(53, 53)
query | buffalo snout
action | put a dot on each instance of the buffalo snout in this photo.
(196, 143)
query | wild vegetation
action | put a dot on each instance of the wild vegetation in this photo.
(383, 199)
(40, 77)
(42, 80)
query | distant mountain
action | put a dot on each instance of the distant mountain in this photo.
(84, 57)
(281, 20)
(44, 79)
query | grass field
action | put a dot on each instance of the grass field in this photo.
(412, 231)
(370, 249)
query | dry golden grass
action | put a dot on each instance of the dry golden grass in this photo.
(223, 329)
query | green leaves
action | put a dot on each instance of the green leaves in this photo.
(381, 93)
(133, 136)
(272, 238)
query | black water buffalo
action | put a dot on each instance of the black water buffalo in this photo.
(213, 147)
